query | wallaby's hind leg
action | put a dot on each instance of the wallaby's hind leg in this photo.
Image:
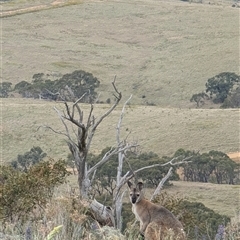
(153, 232)
(157, 231)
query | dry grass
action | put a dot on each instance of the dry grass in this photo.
(161, 130)
(222, 198)
(163, 50)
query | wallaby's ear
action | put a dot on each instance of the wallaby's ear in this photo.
(129, 184)
(140, 186)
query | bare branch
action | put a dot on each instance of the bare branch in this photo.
(120, 119)
(160, 185)
(95, 125)
(70, 91)
(54, 94)
(107, 155)
(105, 158)
(171, 162)
(53, 130)
(115, 88)
(130, 174)
(61, 118)
(70, 118)
(89, 122)
(75, 105)
(106, 114)
(79, 99)
(68, 135)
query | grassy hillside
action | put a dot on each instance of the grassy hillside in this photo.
(163, 50)
(214, 196)
(161, 130)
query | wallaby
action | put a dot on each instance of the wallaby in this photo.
(156, 222)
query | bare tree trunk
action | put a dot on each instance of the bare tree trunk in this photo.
(160, 185)
(117, 199)
(102, 213)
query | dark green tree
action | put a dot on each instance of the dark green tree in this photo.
(24, 88)
(38, 77)
(233, 100)
(224, 167)
(78, 84)
(221, 85)
(204, 222)
(199, 98)
(5, 88)
(32, 157)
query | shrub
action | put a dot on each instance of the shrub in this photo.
(5, 88)
(24, 192)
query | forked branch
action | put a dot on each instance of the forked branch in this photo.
(160, 185)
(130, 174)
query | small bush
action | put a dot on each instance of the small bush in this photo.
(24, 192)
(28, 159)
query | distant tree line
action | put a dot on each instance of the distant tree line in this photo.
(78, 84)
(223, 89)
(214, 166)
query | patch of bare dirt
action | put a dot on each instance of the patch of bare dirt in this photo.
(234, 156)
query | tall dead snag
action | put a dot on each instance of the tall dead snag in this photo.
(80, 141)
(117, 197)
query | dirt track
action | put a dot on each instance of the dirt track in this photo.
(56, 3)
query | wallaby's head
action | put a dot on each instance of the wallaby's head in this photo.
(136, 193)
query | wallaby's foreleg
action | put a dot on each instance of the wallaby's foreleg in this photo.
(143, 227)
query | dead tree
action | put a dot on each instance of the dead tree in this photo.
(79, 140)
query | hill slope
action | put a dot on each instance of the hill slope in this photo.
(161, 51)
(161, 130)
